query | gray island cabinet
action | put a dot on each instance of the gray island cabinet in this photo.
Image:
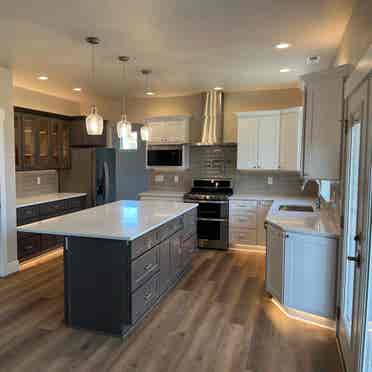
(121, 260)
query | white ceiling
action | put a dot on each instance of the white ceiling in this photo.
(191, 45)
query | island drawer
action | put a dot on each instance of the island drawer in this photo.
(76, 204)
(144, 267)
(144, 298)
(163, 232)
(143, 244)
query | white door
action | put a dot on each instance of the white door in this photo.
(247, 143)
(268, 142)
(350, 265)
(290, 141)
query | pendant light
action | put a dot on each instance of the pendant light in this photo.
(93, 122)
(148, 90)
(145, 131)
(123, 127)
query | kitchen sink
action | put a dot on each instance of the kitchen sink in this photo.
(296, 208)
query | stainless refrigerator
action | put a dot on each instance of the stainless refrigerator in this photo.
(93, 171)
(107, 174)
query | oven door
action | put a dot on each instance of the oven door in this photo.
(213, 209)
(213, 233)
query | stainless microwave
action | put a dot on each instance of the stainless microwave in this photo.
(169, 156)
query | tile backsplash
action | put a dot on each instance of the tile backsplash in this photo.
(31, 183)
(170, 180)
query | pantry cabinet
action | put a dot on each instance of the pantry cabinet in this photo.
(270, 140)
(323, 122)
(169, 130)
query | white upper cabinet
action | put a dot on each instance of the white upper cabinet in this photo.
(270, 139)
(169, 130)
(268, 142)
(247, 143)
(290, 139)
(323, 122)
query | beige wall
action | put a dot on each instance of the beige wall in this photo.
(109, 109)
(254, 101)
(141, 108)
(8, 237)
(358, 34)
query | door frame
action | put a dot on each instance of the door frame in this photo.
(357, 111)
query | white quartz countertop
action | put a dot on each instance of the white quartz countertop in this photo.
(46, 198)
(121, 220)
(318, 222)
(163, 194)
(315, 223)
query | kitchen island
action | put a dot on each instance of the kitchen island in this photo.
(120, 259)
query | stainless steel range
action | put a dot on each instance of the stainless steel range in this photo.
(213, 212)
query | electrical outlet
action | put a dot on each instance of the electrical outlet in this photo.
(176, 179)
(270, 180)
(38, 180)
(159, 178)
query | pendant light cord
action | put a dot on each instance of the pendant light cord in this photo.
(123, 101)
(93, 69)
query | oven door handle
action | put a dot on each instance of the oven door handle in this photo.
(213, 219)
(206, 201)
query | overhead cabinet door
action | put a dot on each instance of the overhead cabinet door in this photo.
(290, 140)
(247, 143)
(268, 142)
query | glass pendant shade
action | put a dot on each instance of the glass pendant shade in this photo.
(94, 123)
(145, 133)
(124, 127)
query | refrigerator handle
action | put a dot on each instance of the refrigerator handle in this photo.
(106, 176)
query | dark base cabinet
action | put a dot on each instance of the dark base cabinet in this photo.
(110, 285)
(31, 245)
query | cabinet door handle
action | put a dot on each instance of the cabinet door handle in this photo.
(357, 259)
(148, 296)
(148, 267)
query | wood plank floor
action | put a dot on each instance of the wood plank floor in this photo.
(217, 319)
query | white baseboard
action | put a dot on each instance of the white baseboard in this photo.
(12, 267)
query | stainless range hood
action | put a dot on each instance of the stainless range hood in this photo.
(212, 127)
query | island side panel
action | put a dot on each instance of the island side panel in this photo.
(97, 282)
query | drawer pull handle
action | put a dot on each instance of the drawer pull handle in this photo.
(148, 296)
(149, 267)
(27, 247)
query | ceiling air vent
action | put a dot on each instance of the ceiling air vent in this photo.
(312, 60)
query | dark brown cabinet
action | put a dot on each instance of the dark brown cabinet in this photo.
(41, 141)
(31, 245)
(80, 137)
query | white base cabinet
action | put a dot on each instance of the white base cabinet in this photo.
(301, 271)
(246, 223)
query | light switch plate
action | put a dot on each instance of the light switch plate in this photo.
(176, 179)
(38, 180)
(159, 178)
(270, 180)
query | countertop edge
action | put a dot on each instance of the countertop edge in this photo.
(25, 229)
(52, 199)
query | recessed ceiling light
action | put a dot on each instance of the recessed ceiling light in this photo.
(218, 88)
(282, 46)
(43, 77)
(313, 60)
(76, 89)
(285, 70)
